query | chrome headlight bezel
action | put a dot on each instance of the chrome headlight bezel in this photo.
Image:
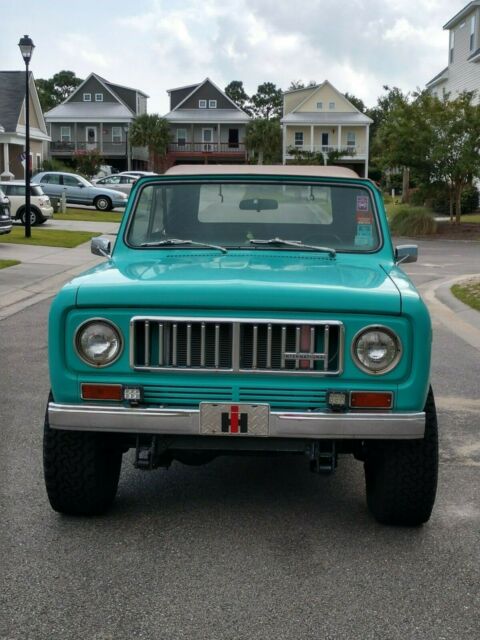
(81, 354)
(381, 329)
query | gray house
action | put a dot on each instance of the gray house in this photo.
(207, 127)
(97, 115)
(12, 125)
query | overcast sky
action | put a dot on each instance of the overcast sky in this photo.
(154, 45)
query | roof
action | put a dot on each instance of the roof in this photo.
(12, 96)
(121, 86)
(207, 115)
(187, 86)
(317, 171)
(91, 110)
(320, 117)
(443, 75)
(461, 14)
(198, 86)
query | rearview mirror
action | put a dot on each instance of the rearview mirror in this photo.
(101, 246)
(258, 204)
(406, 253)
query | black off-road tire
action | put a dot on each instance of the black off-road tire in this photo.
(81, 471)
(103, 203)
(401, 476)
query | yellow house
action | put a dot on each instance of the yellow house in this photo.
(320, 119)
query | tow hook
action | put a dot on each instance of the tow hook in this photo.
(322, 457)
(151, 454)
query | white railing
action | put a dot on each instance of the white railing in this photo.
(347, 150)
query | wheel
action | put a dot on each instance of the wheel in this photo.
(401, 476)
(35, 217)
(81, 471)
(102, 203)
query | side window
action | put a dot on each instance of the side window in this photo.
(70, 181)
(45, 178)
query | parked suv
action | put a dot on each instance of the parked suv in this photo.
(40, 206)
(244, 310)
(78, 190)
(5, 219)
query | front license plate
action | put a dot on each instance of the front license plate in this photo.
(234, 419)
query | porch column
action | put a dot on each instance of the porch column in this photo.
(75, 134)
(367, 148)
(311, 138)
(100, 133)
(284, 132)
(6, 158)
(192, 139)
(339, 133)
(218, 137)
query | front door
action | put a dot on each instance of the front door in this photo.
(233, 138)
(91, 138)
(207, 139)
(325, 140)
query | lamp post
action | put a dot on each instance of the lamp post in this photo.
(26, 49)
(125, 129)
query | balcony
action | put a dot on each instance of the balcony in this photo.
(236, 149)
(68, 148)
(347, 151)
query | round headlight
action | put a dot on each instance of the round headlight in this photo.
(376, 349)
(98, 342)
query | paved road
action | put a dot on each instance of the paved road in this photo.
(241, 548)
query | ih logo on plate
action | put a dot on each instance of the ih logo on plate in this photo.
(234, 421)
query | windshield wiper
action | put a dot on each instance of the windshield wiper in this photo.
(294, 243)
(173, 242)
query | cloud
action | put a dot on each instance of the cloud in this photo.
(78, 46)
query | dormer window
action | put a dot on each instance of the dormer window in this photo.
(472, 33)
(320, 105)
(99, 97)
(452, 44)
(202, 104)
(212, 104)
(87, 97)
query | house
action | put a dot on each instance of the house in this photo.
(320, 119)
(97, 115)
(463, 70)
(207, 126)
(12, 125)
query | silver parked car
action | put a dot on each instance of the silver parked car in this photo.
(78, 190)
(117, 181)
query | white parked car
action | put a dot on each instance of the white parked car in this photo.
(117, 181)
(40, 206)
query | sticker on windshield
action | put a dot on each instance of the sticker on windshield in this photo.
(364, 234)
(362, 203)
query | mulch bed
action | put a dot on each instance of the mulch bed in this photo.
(463, 231)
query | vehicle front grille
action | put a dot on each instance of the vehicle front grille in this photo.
(279, 346)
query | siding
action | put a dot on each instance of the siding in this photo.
(197, 132)
(326, 94)
(178, 95)
(360, 135)
(129, 96)
(207, 92)
(34, 122)
(93, 86)
(292, 100)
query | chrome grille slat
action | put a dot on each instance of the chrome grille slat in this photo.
(237, 345)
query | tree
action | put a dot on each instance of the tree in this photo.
(87, 162)
(299, 84)
(357, 102)
(152, 131)
(56, 89)
(263, 139)
(237, 93)
(268, 101)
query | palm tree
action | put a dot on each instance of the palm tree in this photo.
(263, 139)
(152, 131)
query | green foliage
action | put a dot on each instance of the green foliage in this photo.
(48, 237)
(152, 131)
(299, 84)
(267, 102)
(412, 221)
(303, 156)
(357, 102)
(8, 263)
(87, 162)
(56, 89)
(439, 199)
(236, 92)
(51, 164)
(263, 139)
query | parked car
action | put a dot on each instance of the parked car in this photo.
(119, 182)
(105, 170)
(78, 190)
(138, 174)
(245, 310)
(40, 206)
(5, 219)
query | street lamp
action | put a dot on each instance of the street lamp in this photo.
(125, 130)
(26, 49)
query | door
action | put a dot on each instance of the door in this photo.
(91, 138)
(233, 138)
(324, 141)
(75, 191)
(207, 139)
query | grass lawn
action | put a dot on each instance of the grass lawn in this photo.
(468, 292)
(89, 216)
(48, 238)
(8, 263)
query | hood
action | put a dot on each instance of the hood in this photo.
(253, 280)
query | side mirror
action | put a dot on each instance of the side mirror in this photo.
(81, 185)
(406, 253)
(101, 246)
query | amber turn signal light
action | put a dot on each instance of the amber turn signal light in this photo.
(371, 400)
(102, 391)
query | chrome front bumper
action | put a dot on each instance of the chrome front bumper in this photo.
(332, 426)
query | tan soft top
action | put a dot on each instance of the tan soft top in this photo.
(317, 171)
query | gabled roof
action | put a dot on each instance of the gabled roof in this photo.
(187, 86)
(92, 111)
(440, 77)
(104, 84)
(120, 86)
(12, 96)
(198, 86)
(317, 88)
(462, 14)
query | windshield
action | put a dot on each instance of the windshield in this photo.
(234, 214)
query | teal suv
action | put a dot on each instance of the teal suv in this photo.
(244, 310)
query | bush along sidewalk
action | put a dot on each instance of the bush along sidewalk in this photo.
(412, 221)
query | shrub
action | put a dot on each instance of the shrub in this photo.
(412, 221)
(55, 165)
(87, 162)
(441, 200)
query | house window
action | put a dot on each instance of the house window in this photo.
(202, 104)
(472, 33)
(331, 106)
(99, 97)
(299, 138)
(350, 138)
(38, 161)
(452, 44)
(319, 105)
(181, 137)
(116, 134)
(87, 97)
(65, 134)
(212, 104)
